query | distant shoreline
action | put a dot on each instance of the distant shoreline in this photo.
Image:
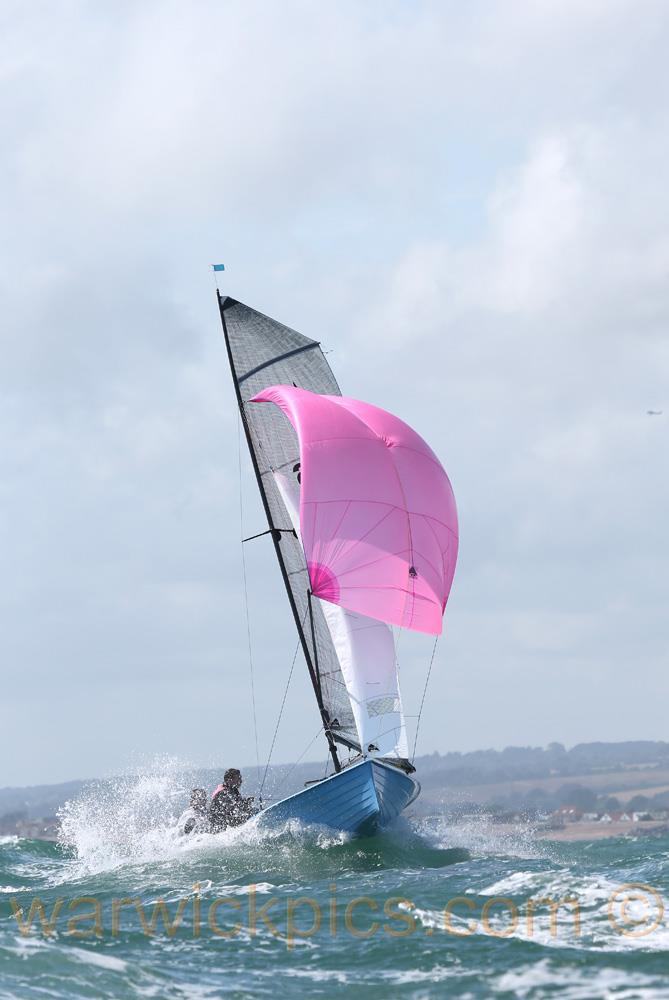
(575, 832)
(569, 834)
(593, 791)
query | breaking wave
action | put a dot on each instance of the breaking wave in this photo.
(119, 839)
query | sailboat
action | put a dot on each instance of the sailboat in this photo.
(363, 522)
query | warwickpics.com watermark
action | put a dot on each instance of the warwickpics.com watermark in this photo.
(633, 910)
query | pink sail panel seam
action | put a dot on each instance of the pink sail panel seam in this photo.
(414, 513)
(360, 457)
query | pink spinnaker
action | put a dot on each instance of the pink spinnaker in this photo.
(377, 512)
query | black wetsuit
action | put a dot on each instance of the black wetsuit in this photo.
(228, 808)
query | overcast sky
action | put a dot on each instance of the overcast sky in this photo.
(468, 205)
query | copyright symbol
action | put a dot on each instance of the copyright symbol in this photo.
(635, 910)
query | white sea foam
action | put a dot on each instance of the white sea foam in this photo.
(479, 835)
(573, 984)
(133, 820)
(129, 819)
(317, 975)
(23, 946)
(554, 909)
(98, 958)
(513, 884)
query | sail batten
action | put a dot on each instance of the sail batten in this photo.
(280, 357)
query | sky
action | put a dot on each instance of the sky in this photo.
(467, 205)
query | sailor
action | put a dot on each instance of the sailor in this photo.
(228, 807)
(195, 818)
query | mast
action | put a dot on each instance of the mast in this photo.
(276, 540)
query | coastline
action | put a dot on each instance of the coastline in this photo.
(572, 832)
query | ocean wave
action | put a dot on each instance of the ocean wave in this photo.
(119, 840)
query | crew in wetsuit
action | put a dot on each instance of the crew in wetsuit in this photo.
(195, 818)
(228, 807)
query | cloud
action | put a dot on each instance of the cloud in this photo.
(468, 206)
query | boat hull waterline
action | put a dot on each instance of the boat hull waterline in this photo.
(359, 800)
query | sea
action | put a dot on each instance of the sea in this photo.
(124, 907)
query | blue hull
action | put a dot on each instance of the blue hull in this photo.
(358, 800)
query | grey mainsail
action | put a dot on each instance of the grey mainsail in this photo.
(263, 352)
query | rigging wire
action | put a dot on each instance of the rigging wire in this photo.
(397, 635)
(303, 754)
(278, 721)
(246, 593)
(422, 701)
